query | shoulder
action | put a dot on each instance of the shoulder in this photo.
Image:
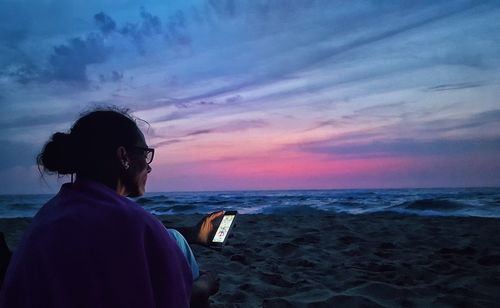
(94, 210)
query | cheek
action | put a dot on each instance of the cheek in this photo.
(144, 175)
(140, 174)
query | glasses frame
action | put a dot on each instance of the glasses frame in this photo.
(146, 154)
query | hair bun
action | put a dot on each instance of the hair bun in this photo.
(58, 154)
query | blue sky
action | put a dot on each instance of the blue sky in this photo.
(262, 94)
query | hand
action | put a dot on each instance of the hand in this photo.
(204, 230)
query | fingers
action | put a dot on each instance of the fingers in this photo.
(215, 215)
(205, 228)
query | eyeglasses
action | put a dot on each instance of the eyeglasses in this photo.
(149, 153)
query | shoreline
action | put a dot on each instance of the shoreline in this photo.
(347, 260)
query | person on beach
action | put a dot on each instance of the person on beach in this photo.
(90, 246)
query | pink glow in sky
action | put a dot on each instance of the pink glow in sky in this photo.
(262, 94)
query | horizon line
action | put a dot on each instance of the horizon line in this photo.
(290, 189)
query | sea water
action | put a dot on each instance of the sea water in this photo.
(481, 202)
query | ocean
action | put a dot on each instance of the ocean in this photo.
(480, 202)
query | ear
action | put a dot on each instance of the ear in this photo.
(122, 156)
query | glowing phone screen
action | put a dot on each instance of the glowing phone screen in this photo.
(221, 233)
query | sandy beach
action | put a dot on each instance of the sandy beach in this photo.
(376, 260)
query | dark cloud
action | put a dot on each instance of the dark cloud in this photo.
(225, 128)
(231, 127)
(148, 26)
(114, 76)
(151, 24)
(456, 86)
(381, 109)
(224, 90)
(199, 132)
(134, 32)
(171, 116)
(234, 99)
(324, 123)
(69, 62)
(105, 23)
(166, 142)
(184, 103)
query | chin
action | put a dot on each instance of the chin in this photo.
(133, 195)
(140, 191)
(137, 192)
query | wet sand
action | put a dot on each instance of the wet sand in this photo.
(348, 261)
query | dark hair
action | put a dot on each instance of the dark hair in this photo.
(89, 148)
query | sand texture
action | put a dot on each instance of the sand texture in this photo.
(349, 261)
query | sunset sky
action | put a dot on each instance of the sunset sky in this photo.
(257, 94)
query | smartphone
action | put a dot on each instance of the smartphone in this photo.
(224, 228)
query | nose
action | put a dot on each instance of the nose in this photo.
(149, 168)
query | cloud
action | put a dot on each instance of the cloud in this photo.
(234, 99)
(199, 132)
(381, 109)
(364, 71)
(114, 76)
(456, 86)
(165, 143)
(150, 25)
(105, 23)
(229, 127)
(69, 61)
(264, 65)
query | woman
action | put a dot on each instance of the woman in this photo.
(90, 246)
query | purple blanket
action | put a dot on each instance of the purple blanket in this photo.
(90, 247)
